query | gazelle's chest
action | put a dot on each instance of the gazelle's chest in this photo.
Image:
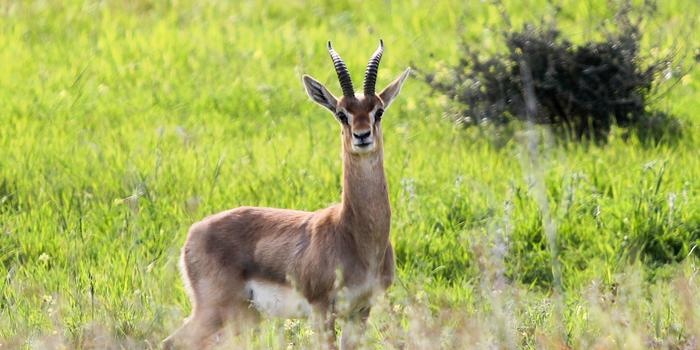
(358, 295)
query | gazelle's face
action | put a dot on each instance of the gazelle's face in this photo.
(360, 115)
(360, 118)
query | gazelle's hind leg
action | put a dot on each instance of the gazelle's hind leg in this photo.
(240, 319)
(198, 330)
(216, 299)
(205, 327)
(212, 326)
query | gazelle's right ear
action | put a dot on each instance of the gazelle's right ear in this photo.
(320, 94)
(390, 92)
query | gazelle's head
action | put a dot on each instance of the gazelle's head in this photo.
(359, 114)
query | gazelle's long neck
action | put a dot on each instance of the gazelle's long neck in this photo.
(365, 201)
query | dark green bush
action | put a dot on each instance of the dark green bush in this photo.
(579, 90)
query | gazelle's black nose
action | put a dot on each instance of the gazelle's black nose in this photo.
(361, 136)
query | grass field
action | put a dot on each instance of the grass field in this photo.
(123, 122)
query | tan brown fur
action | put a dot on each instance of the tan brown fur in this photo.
(323, 254)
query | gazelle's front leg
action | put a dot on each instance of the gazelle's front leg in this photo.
(324, 325)
(354, 329)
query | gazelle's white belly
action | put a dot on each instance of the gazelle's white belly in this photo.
(277, 300)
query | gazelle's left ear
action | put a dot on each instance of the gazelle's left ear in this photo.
(390, 92)
(320, 94)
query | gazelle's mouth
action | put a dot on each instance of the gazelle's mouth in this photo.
(362, 147)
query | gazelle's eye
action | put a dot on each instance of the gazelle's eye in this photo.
(342, 117)
(378, 115)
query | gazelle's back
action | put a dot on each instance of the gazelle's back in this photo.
(246, 242)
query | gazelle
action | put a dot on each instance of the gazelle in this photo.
(248, 261)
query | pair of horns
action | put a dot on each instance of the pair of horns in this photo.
(370, 72)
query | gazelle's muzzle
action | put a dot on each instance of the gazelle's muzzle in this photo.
(362, 141)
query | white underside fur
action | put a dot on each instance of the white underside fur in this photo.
(277, 300)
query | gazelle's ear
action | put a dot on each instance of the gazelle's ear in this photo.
(390, 92)
(319, 93)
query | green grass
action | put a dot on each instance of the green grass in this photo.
(123, 122)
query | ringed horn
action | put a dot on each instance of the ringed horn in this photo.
(372, 68)
(370, 73)
(342, 70)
